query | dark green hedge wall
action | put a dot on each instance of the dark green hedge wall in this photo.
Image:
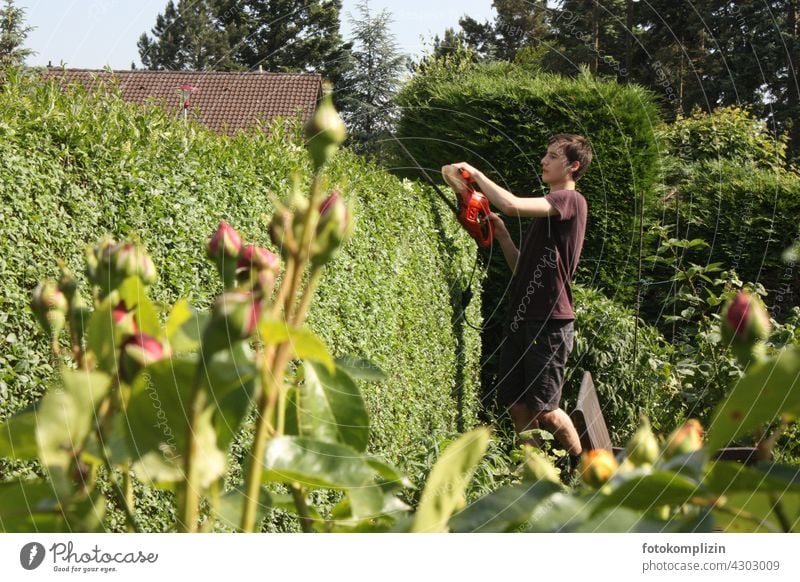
(748, 214)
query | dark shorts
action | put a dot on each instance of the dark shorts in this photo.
(532, 363)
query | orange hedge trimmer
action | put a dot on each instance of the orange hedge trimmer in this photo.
(471, 208)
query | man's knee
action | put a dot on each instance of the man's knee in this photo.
(549, 418)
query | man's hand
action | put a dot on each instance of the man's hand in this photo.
(473, 171)
(499, 227)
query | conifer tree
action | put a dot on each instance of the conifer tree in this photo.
(370, 86)
(13, 33)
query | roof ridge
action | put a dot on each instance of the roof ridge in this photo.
(182, 72)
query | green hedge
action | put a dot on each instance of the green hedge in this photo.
(631, 368)
(748, 214)
(75, 166)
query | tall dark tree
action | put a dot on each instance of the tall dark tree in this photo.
(187, 36)
(13, 33)
(785, 86)
(589, 33)
(518, 24)
(278, 35)
(370, 86)
(451, 43)
(297, 35)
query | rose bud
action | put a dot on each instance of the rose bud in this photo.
(334, 227)
(597, 466)
(684, 439)
(745, 326)
(98, 263)
(234, 318)
(130, 260)
(642, 449)
(49, 306)
(223, 248)
(257, 267)
(324, 131)
(67, 284)
(124, 319)
(139, 351)
(224, 242)
(256, 259)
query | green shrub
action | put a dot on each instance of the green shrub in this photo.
(633, 374)
(747, 213)
(727, 133)
(75, 166)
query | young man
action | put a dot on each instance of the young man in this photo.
(540, 334)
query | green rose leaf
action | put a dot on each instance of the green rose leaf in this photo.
(134, 294)
(29, 506)
(18, 437)
(185, 327)
(766, 391)
(330, 408)
(645, 492)
(305, 345)
(504, 510)
(444, 491)
(313, 463)
(66, 417)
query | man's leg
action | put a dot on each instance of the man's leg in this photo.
(560, 424)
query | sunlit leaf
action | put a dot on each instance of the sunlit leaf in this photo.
(185, 327)
(18, 437)
(305, 345)
(330, 408)
(315, 464)
(645, 492)
(66, 417)
(134, 294)
(766, 391)
(504, 510)
(29, 506)
(444, 491)
(231, 506)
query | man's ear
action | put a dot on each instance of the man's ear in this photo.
(574, 166)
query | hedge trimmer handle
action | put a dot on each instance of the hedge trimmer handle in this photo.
(473, 212)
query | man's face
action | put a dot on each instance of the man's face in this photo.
(555, 167)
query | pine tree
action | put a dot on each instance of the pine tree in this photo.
(188, 36)
(13, 33)
(370, 86)
(450, 44)
(276, 35)
(518, 24)
(296, 36)
(590, 33)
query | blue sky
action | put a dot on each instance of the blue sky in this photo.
(94, 33)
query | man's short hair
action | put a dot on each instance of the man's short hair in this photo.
(576, 148)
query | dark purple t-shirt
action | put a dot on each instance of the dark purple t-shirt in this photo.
(548, 259)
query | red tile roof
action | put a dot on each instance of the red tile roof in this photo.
(224, 102)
